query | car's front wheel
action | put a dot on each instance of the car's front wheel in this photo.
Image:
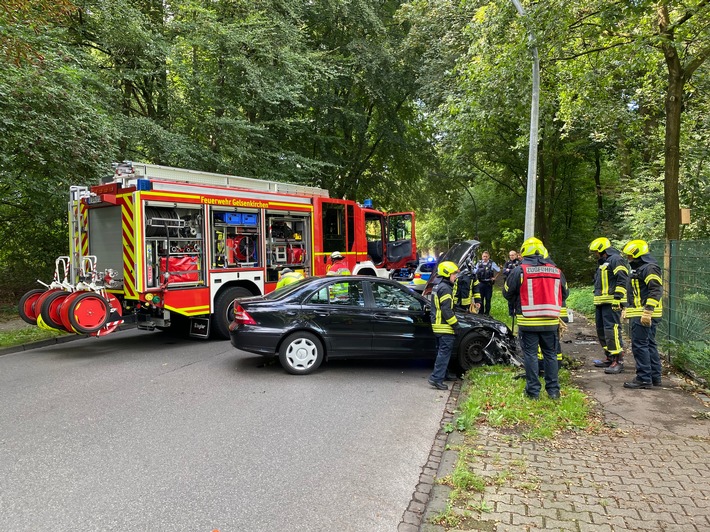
(301, 353)
(472, 350)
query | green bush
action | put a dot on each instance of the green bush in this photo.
(692, 357)
(581, 299)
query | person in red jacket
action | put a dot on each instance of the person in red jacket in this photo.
(537, 287)
(338, 264)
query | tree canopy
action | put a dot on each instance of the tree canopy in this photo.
(421, 105)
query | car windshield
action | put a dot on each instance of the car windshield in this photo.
(285, 290)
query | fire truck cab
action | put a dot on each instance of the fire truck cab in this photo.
(166, 247)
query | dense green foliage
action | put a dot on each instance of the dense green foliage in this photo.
(420, 105)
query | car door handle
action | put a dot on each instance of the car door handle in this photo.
(381, 316)
(322, 313)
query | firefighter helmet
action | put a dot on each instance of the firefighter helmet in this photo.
(286, 270)
(600, 244)
(533, 246)
(636, 248)
(447, 268)
(336, 255)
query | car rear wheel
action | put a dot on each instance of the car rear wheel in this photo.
(301, 353)
(471, 351)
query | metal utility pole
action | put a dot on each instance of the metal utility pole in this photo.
(532, 152)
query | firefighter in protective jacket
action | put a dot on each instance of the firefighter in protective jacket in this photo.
(466, 291)
(538, 289)
(644, 310)
(338, 264)
(444, 323)
(288, 276)
(609, 296)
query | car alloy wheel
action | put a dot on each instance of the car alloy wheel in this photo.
(472, 351)
(301, 353)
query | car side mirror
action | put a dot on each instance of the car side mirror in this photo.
(427, 308)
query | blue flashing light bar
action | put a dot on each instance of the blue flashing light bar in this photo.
(143, 184)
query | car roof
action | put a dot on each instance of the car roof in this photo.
(310, 284)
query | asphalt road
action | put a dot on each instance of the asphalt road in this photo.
(143, 431)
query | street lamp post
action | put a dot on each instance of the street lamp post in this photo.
(532, 152)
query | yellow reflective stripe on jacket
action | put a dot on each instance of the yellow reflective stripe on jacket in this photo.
(605, 283)
(439, 327)
(619, 290)
(621, 268)
(636, 291)
(536, 322)
(636, 312)
(652, 277)
(635, 309)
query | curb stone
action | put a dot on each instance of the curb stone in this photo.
(430, 498)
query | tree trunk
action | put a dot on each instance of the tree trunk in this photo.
(674, 108)
(598, 185)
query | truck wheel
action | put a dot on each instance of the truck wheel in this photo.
(301, 353)
(26, 305)
(224, 310)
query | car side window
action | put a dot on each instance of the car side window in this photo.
(394, 298)
(342, 293)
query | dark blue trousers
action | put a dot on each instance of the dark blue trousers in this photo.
(608, 323)
(445, 344)
(643, 345)
(547, 340)
(486, 290)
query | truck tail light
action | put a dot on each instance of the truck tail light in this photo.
(242, 317)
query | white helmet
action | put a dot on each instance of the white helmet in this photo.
(336, 255)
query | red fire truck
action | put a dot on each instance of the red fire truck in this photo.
(160, 246)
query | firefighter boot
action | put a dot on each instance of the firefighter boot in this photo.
(603, 363)
(617, 365)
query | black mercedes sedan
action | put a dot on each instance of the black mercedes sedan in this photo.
(321, 318)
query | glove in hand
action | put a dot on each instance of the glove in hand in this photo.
(646, 317)
(616, 305)
(563, 328)
(623, 313)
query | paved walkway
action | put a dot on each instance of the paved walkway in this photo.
(650, 471)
